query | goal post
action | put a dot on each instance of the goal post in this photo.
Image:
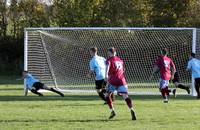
(59, 57)
(194, 40)
(25, 55)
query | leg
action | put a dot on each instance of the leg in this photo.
(165, 94)
(110, 90)
(36, 92)
(110, 104)
(173, 91)
(197, 85)
(100, 87)
(129, 104)
(182, 86)
(101, 94)
(113, 97)
(53, 90)
(123, 91)
(127, 100)
(164, 89)
(109, 101)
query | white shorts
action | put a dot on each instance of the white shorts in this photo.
(163, 83)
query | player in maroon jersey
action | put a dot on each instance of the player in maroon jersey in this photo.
(116, 81)
(164, 65)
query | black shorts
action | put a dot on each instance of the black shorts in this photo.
(176, 78)
(100, 84)
(38, 85)
(197, 81)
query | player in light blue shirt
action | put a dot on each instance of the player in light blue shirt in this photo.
(194, 67)
(98, 68)
(34, 85)
(30, 80)
(97, 65)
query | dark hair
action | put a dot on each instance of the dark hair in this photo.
(26, 71)
(164, 51)
(112, 50)
(93, 49)
(193, 55)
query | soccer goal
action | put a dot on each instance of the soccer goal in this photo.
(60, 56)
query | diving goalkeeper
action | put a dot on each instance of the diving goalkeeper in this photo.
(34, 85)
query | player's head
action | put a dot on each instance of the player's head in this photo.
(24, 72)
(164, 51)
(111, 51)
(192, 55)
(93, 51)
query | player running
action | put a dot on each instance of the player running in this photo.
(116, 81)
(34, 85)
(164, 65)
(98, 68)
(194, 66)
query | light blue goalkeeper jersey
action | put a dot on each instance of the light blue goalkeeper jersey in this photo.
(194, 66)
(98, 65)
(30, 80)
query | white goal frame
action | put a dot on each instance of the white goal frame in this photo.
(193, 44)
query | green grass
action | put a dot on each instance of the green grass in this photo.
(87, 112)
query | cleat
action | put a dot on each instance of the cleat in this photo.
(41, 95)
(62, 95)
(105, 103)
(188, 91)
(133, 115)
(165, 100)
(174, 92)
(112, 114)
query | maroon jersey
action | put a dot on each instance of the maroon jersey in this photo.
(116, 71)
(164, 64)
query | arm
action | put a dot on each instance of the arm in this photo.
(189, 67)
(91, 71)
(26, 91)
(173, 69)
(155, 69)
(107, 71)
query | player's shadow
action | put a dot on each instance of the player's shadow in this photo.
(159, 97)
(59, 120)
(88, 98)
(50, 98)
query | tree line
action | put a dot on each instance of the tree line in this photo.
(15, 15)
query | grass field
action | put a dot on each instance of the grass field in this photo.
(87, 112)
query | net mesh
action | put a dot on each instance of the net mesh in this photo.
(61, 57)
(198, 43)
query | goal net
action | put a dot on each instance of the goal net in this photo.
(60, 57)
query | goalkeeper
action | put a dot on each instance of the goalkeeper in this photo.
(34, 85)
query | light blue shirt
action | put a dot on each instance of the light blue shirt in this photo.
(194, 66)
(30, 80)
(98, 65)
